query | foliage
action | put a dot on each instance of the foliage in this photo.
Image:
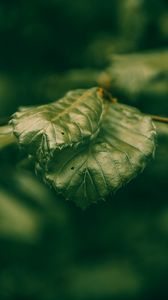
(50, 249)
(85, 145)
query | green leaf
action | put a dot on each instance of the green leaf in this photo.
(72, 120)
(141, 78)
(89, 173)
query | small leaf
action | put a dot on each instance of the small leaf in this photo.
(73, 119)
(92, 172)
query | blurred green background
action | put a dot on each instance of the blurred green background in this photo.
(49, 249)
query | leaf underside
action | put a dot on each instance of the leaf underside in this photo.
(91, 172)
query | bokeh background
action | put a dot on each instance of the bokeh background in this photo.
(49, 249)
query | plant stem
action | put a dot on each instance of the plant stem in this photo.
(6, 136)
(159, 119)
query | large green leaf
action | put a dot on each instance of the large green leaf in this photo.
(73, 119)
(89, 173)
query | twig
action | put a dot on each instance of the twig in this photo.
(159, 119)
